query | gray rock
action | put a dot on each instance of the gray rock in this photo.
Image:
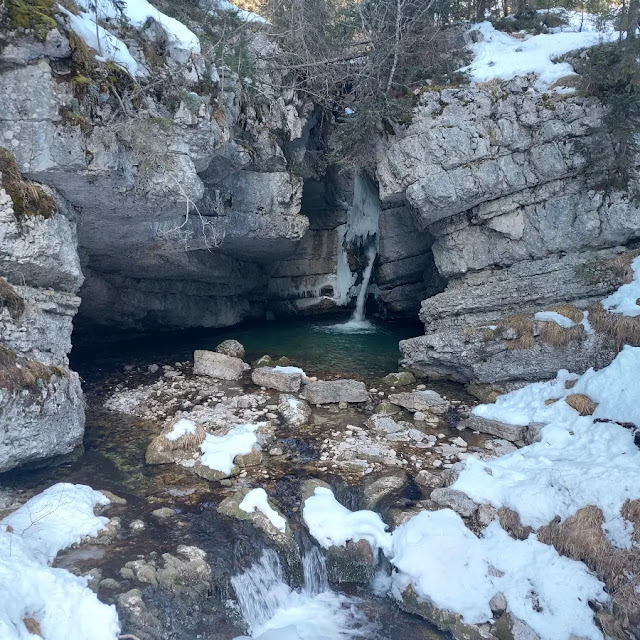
(429, 480)
(498, 604)
(163, 513)
(354, 563)
(378, 486)
(453, 499)
(532, 432)
(399, 379)
(284, 379)
(425, 401)
(511, 432)
(217, 365)
(231, 348)
(384, 425)
(294, 412)
(486, 514)
(334, 391)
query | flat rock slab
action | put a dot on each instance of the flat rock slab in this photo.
(275, 378)
(426, 401)
(457, 500)
(334, 391)
(511, 432)
(217, 365)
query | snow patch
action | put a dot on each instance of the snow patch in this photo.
(218, 452)
(62, 604)
(553, 316)
(257, 499)
(499, 55)
(290, 370)
(331, 524)
(625, 299)
(181, 428)
(446, 563)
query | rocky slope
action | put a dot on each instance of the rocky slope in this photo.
(41, 405)
(513, 186)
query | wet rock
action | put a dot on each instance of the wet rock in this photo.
(136, 525)
(399, 379)
(384, 424)
(276, 451)
(532, 432)
(135, 616)
(309, 486)
(426, 401)
(489, 393)
(107, 534)
(429, 480)
(251, 459)
(508, 627)
(217, 365)
(231, 348)
(453, 499)
(387, 408)
(378, 486)
(294, 412)
(8, 497)
(287, 380)
(354, 563)
(163, 513)
(335, 391)
(450, 475)
(263, 361)
(187, 572)
(443, 619)
(213, 475)
(511, 432)
(109, 583)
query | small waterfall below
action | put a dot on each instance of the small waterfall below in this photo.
(275, 611)
(358, 314)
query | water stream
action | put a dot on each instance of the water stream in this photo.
(275, 611)
(358, 314)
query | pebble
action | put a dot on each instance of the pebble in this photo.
(381, 394)
(153, 368)
(418, 416)
(460, 442)
(136, 525)
(276, 451)
(437, 463)
(163, 513)
(440, 436)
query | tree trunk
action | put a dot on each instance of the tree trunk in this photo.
(632, 27)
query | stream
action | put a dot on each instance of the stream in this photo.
(252, 592)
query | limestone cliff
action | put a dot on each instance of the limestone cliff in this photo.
(41, 405)
(513, 184)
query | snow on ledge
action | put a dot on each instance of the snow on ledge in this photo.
(625, 299)
(499, 55)
(257, 499)
(30, 538)
(330, 523)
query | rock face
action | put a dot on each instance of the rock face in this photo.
(41, 404)
(509, 183)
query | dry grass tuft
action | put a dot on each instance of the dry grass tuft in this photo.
(510, 522)
(568, 311)
(10, 299)
(631, 511)
(569, 384)
(623, 329)
(549, 401)
(557, 336)
(33, 626)
(584, 405)
(581, 537)
(518, 331)
(187, 442)
(28, 199)
(18, 374)
(621, 265)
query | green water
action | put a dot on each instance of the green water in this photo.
(318, 346)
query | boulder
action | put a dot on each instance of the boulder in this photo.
(453, 499)
(378, 486)
(429, 480)
(425, 401)
(263, 361)
(217, 365)
(286, 379)
(334, 391)
(294, 412)
(354, 563)
(231, 348)
(176, 442)
(384, 425)
(399, 379)
(511, 432)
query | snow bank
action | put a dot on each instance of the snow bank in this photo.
(218, 452)
(290, 370)
(624, 300)
(257, 499)
(30, 538)
(109, 48)
(553, 316)
(137, 12)
(446, 563)
(181, 428)
(579, 461)
(331, 524)
(499, 55)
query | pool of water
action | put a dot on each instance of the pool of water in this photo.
(333, 346)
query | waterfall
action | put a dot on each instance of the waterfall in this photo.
(275, 611)
(360, 237)
(358, 314)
